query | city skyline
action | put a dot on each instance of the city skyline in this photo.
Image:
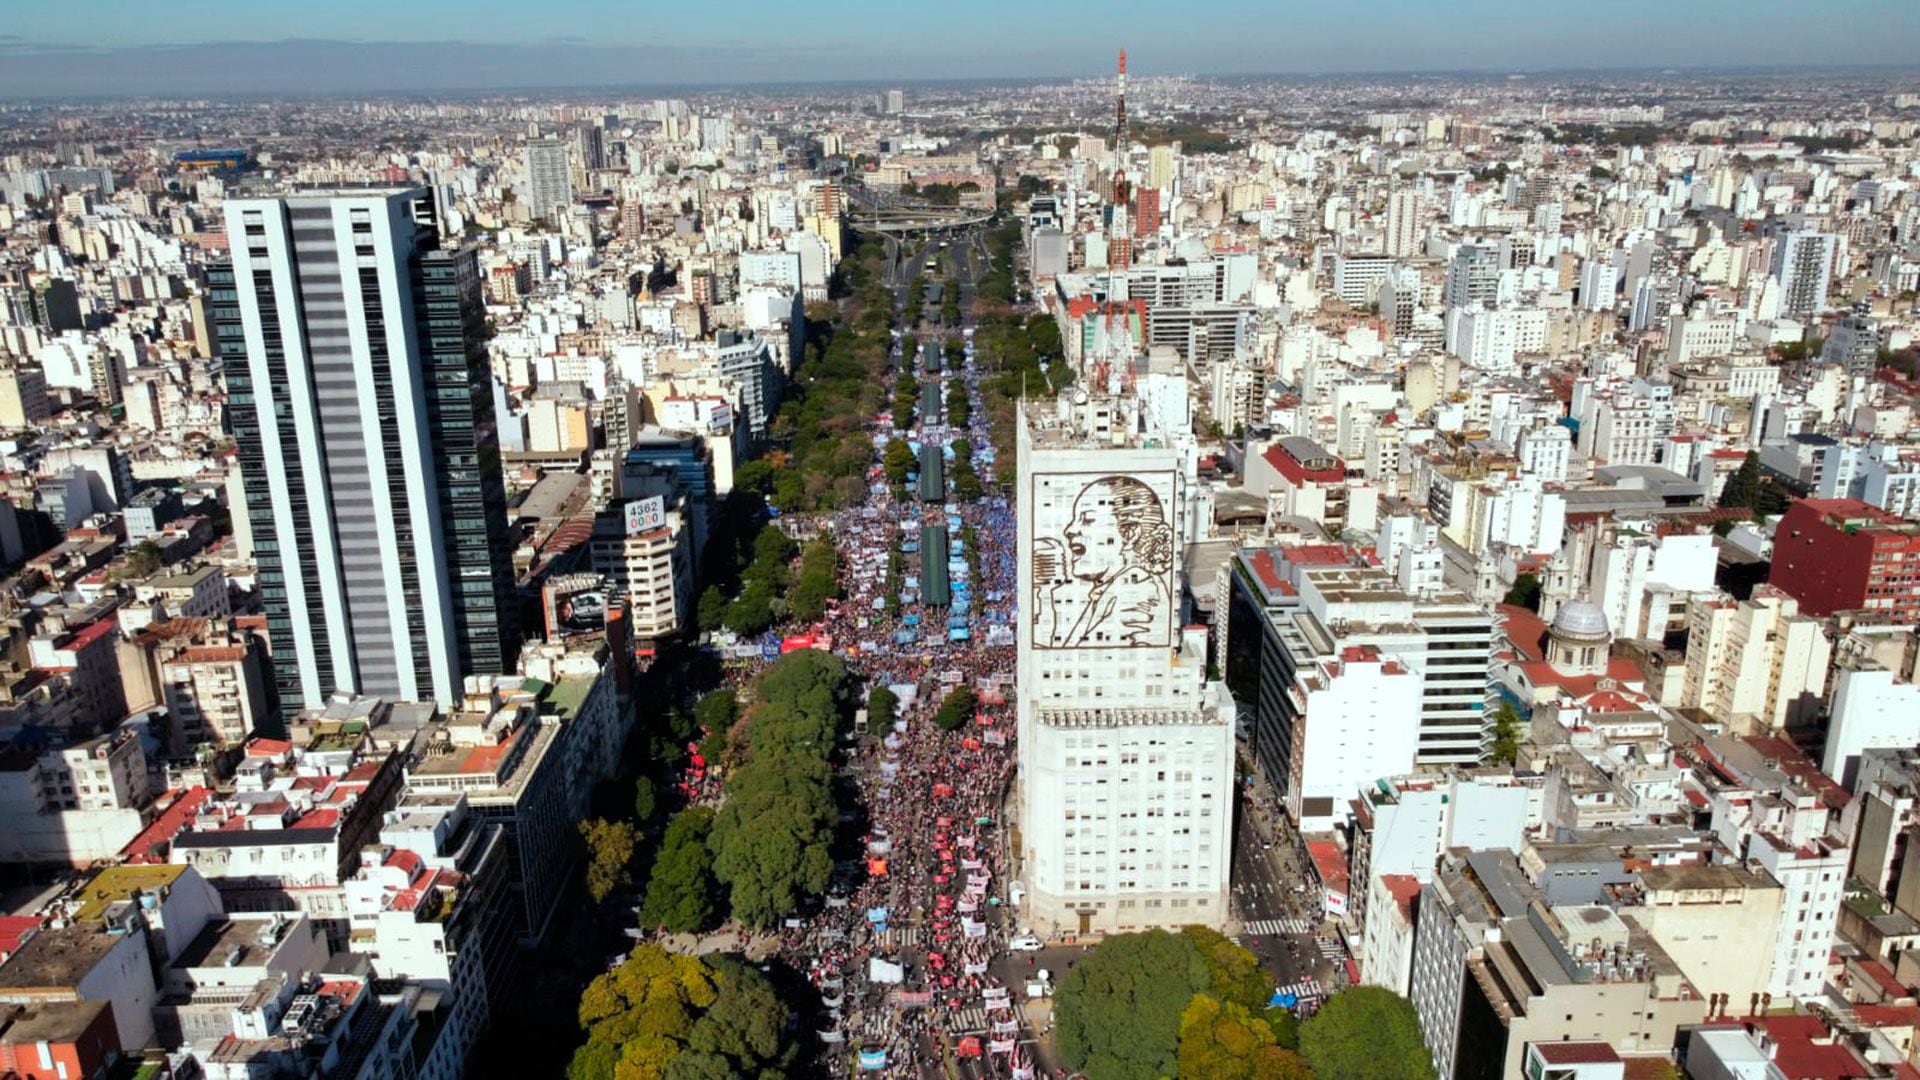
(84, 50)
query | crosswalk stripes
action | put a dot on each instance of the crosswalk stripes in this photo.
(968, 1020)
(1330, 949)
(1278, 926)
(899, 937)
(1304, 989)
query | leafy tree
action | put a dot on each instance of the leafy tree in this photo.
(956, 710)
(639, 1016)
(809, 680)
(1117, 1013)
(959, 408)
(898, 460)
(740, 1033)
(883, 706)
(754, 476)
(1286, 1028)
(681, 890)
(1225, 1041)
(1506, 735)
(751, 612)
(1742, 489)
(717, 710)
(771, 841)
(1525, 592)
(1365, 1033)
(646, 800)
(1236, 977)
(772, 547)
(818, 582)
(143, 560)
(712, 611)
(609, 851)
(1279, 1063)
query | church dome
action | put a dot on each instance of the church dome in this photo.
(1580, 619)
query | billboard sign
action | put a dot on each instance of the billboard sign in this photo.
(645, 514)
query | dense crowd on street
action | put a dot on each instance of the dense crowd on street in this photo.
(902, 958)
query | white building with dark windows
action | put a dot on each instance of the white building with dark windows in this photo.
(1126, 750)
(549, 177)
(353, 356)
(1803, 265)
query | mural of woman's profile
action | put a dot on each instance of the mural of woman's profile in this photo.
(1103, 581)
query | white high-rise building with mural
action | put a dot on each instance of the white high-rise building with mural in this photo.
(1126, 750)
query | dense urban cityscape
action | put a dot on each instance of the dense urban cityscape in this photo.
(1137, 576)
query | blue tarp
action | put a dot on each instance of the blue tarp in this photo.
(876, 914)
(1282, 1001)
(873, 1060)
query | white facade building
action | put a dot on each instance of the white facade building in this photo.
(1126, 751)
(1872, 709)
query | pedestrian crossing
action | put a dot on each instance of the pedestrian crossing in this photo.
(1304, 989)
(899, 937)
(1279, 926)
(1330, 950)
(970, 1020)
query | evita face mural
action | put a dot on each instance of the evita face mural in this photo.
(1102, 567)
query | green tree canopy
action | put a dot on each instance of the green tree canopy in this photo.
(771, 840)
(772, 546)
(740, 1033)
(818, 582)
(639, 1016)
(883, 706)
(609, 852)
(1225, 1041)
(751, 612)
(898, 460)
(712, 611)
(1117, 1013)
(681, 890)
(1235, 975)
(717, 710)
(1507, 732)
(1525, 592)
(1752, 490)
(1366, 1033)
(646, 800)
(956, 710)
(1286, 1027)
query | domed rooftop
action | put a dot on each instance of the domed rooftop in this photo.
(1581, 618)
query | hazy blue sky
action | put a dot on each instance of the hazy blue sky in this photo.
(117, 46)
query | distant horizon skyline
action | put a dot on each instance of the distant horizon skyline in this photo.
(115, 48)
(191, 78)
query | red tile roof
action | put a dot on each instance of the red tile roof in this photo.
(1332, 865)
(151, 844)
(263, 747)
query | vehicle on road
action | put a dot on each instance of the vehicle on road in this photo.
(1025, 943)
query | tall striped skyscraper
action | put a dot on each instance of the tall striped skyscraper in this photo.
(353, 350)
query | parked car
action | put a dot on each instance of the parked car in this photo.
(1025, 943)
